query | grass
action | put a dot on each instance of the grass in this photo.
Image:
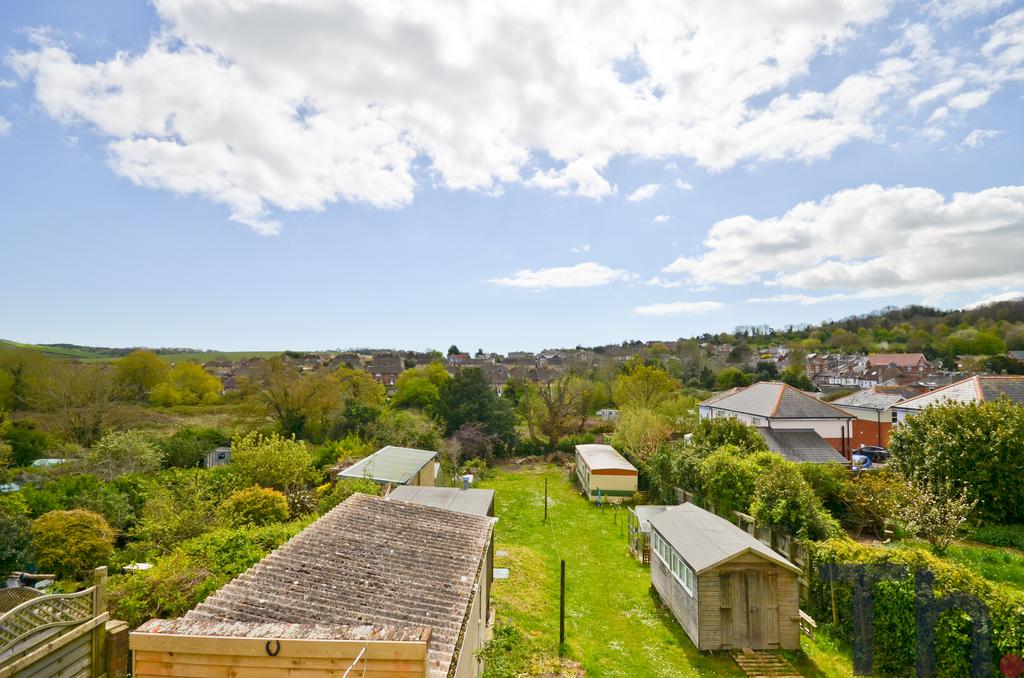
(91, 354)
(615, 626)
(1002, 565)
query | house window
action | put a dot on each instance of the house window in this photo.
(894, 417)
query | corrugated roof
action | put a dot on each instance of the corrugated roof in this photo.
(800, 445)
(645, 513)
(473, 501)
(390, 465)
(603, 457)
(705, 540)
(974, 389)
(236, 629)
(368, 562)
(772, 399)
(869, 399)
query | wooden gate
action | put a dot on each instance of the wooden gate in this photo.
(750, 609)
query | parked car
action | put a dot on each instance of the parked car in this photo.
(873, 452)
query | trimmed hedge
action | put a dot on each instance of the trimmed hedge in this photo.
(894, 602)
(1001, 535)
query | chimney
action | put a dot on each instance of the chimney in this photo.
(466, 480)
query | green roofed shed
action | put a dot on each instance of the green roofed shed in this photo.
(395, 465)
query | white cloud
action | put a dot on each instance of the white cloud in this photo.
(8, 84)
(662, 219)
(683, 185)
(953, 10)
(657, 281)
(900, 239)
(1002, 296)
(976, 138)
(968, 101)
(5, 126)
(645, 192)
(580, 249)
(267, 106)
(588, 274)
(678, 308)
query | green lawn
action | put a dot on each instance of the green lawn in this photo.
(614, 625)
(1001, 565)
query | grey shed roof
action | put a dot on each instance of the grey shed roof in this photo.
(603, 457)
(473, 501)
(800, 445)
(368, 562)
(771, 399)
(869, 399)
(975, 389)
(390, 465)
(645, 513)
(705, 540)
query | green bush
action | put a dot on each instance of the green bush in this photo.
(1001, 535)
(784, 500)
(27, 443)
(728, 480)
(193, 570)
(119, 453)
(188, 447)
(894, 602)
(118, 501)
(15, 535)
(71, 544)
(254, 506)
(476, 467)
(283, 464)
(345, 488)
(829, 482)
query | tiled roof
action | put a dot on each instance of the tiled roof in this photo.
(386, 363)
(898, 359)
(869, 399)
(773, 399)
(705, 540)
(974, 389)
(390, 465)
(1017, 355)
(800, 445)
(368, 562)
(603, 457)
(722, 394)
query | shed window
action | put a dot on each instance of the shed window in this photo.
(675, 564)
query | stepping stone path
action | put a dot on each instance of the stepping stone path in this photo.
(765, 665)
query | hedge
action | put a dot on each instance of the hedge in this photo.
(894, 602)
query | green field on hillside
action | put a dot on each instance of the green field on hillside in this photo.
(614, 624)
(96, 354)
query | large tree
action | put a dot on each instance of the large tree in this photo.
(139, 372)
(469, 398)
(421, 388)
(556, 408)
(643, 386)
(81, 397)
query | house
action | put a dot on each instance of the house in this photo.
(459, 358)
(604, 474)
(374, 587)
(874, 415)
(608, 414)
(982, 388)
(908, 363)
(727, 590)
(800, 445)
(217, 457)
(473, 501)
(775, 406)
(638, 525)
(1016, 355)
(496, 374)
(385, 368)
(396, 466)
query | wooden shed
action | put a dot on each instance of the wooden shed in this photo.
(604, 474)
(727, 590)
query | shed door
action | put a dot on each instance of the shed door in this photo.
(750, 609)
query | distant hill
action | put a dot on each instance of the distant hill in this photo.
(102, 353)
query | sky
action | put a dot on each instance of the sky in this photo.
(263, 175)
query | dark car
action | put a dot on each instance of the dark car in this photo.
(873, 452)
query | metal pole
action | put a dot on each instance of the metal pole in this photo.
(545, 499)
(561, 615)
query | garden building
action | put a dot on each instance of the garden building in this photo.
(396, 466)
(639, 527)
(727, 590)
(604, 474)
(471, 500)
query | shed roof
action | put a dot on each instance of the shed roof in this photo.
(368, 562)
(705, 540)
(474, 501)
(645, 513)
(390, 465)
(975, 389)
(773, 399)
(800, 445)
(603, 457)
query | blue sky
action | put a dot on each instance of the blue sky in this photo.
(232, 177)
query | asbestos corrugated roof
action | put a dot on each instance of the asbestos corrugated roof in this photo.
(869, 399)
(645, 513)
(772, 399)
(603, 457)
(705, 540)
(235, 629)
(474, 501)
(390, 465)
(800, 445)
(368, 562)
(974, 389)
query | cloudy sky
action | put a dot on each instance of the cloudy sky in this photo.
(260, 174)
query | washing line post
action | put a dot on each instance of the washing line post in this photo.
(561, 616)
(545, 499)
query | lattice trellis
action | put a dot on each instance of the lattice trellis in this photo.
(42, 613)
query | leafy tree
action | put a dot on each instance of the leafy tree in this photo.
(81, 397)
(641, 432)
(936, 510)
(469, 398)
(783, 499)
(118, 502)
(555, 408)
(829, 482)
(1003, 364)
(119, 453)
(453, 349)
(139, 372)
(421, 388)
(71, 544)
(15, 535)
(473, 442)
(254, 506)
(283, 464)
(643, 386)
(711, 434)
(187, 384)
(27, 443)
(872, 501)
(187, 447)
(731, 377)
(728, 479)
(971, 446)
(796, 378)
(345, 488)
(406, 428)
(766, 370)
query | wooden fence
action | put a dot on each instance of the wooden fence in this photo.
(56, 635)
